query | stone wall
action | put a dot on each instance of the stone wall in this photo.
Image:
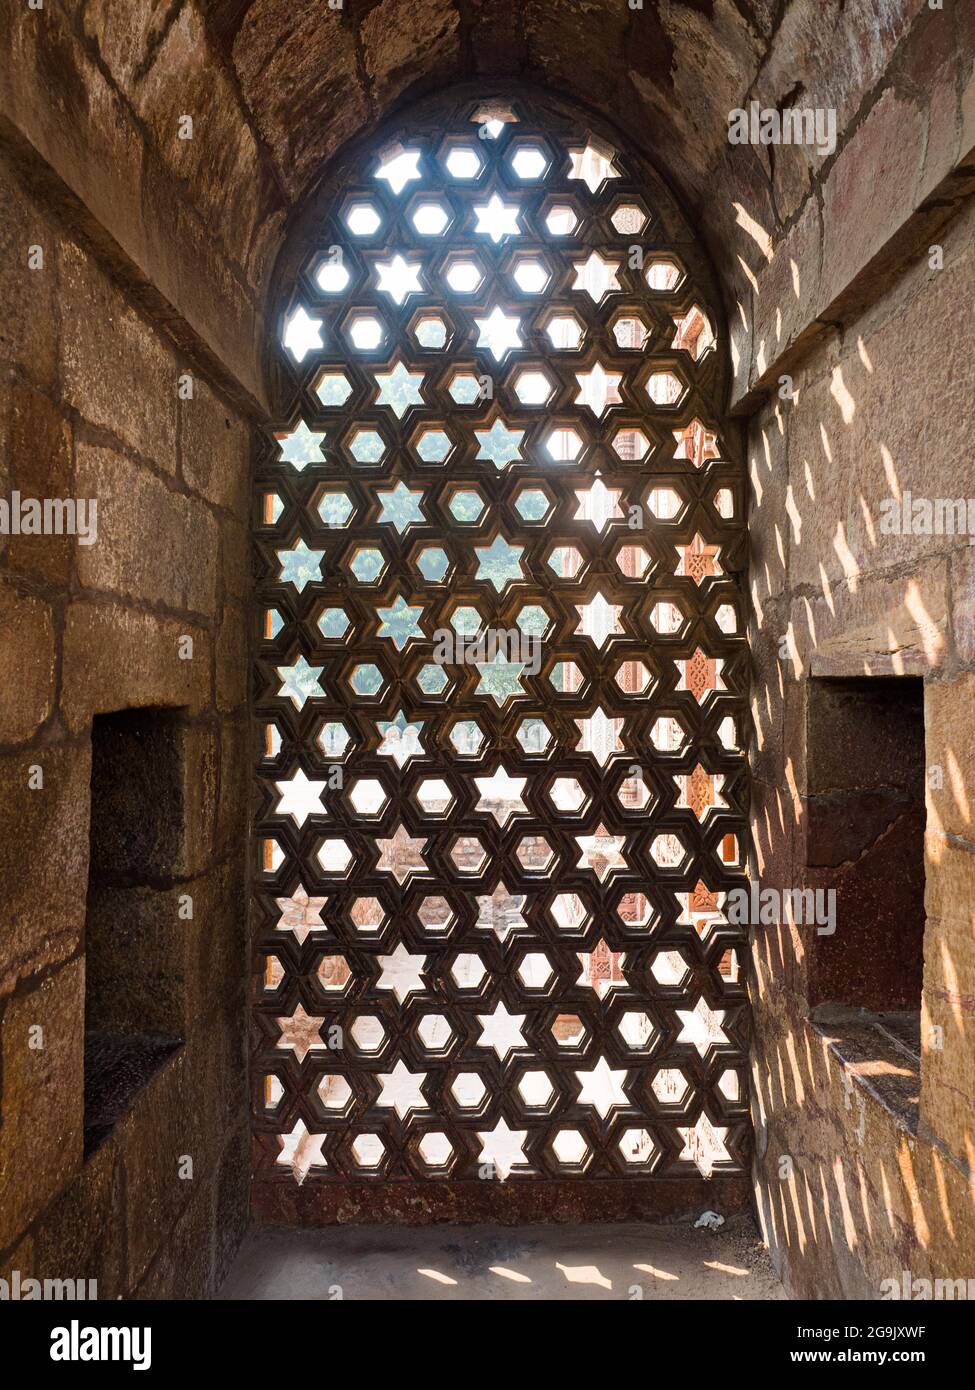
(90, 407)
(861, 1172)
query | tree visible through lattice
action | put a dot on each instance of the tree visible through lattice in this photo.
(501, 678)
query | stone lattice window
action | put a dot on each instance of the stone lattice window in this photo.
(501, 676)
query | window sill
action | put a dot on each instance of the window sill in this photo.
(880, 1053)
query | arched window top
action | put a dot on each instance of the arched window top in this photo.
(500, 677)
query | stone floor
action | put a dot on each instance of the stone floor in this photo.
(493, 1262)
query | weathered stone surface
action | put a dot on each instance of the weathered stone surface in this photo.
(116, 658)
(884, 155)
(154, 544)
(787, 297)
(126, 35)
(27, 671)
(81, 1235)
(881, 626)
(963, 603)
(152, 1140)
(948, 1003)
(401, 41)
(233, 1193)
(28, 332)
(220, 161)
(40, 468)
(42, 1096)
(232, 659)
(43, 858)
(235, 559)
(279, 63)
(215, 451)
(115, 370)
(949, 722)
(235, 771)
(769, 502)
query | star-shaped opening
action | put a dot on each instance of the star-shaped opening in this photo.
(402, 1090)
(501, 912)
(300, 682)
(300, 565)
(300, 797)
(602, 853)
(499, 444)
(399, 389)
(501, 795)
(502, 1149)
(400, 739)
(598, 389)
(302, 334)
(501, 1030)
(599, 734)
(399, 166)
(499, 562)
(599, 620)
(300, 914)
(598, 504)
(301, 446)
(602, 1088)
(401, 973)
(401, 855)
(596, 277)
(400, 622)
(497, 219)
(400, 507)
(301, 1151)
(301, 1033)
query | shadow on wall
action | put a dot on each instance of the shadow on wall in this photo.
(863, 518)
